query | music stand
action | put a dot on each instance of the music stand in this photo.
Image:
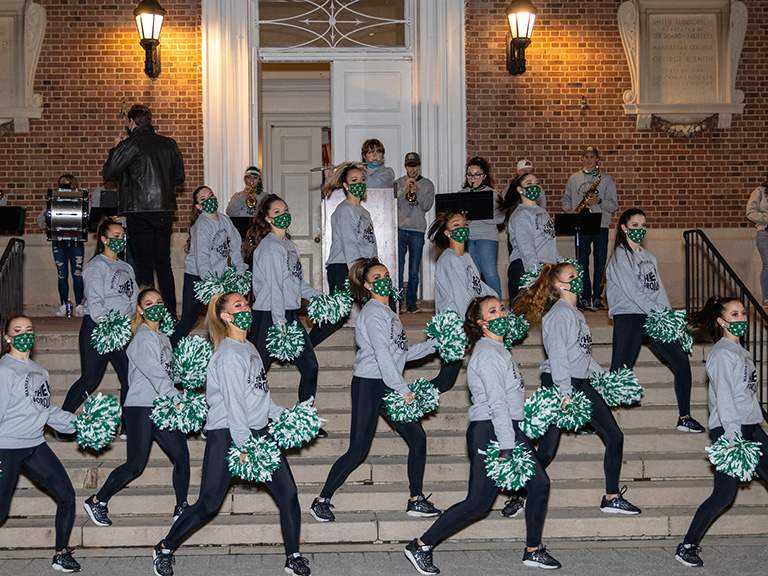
(576, 225)
(12, 219)
(474, 205)
(242, 223)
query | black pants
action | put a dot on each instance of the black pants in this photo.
(482, 491)
(726, 486)
(605, 424)
(306, 362)
(446, 378)
(367, 402)
(190, 309)
(143, 432)
(593, 288)
(629, 335)
(149, 238)
(214, 486)
(43, 468)
(92, 368)
(514, 274)
(337, 274)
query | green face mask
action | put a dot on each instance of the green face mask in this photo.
(117, 245)
(357, 189)
(282, 221)
(460, 235)
(532, 192)
(592, 172)
(154, 313)
(636, 234)
(383, 287)
(738, 328)
(243, 319)
(498, 326)
(576, 285)
(210, 205)
(23, 342)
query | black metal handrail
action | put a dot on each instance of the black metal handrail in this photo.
(708, 274)
(11, 281)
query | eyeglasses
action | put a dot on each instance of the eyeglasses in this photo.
(475, 175)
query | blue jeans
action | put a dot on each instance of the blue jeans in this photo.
(762, 247)
(593, 289)
(485, 254)
(413, 243)
(69, 259)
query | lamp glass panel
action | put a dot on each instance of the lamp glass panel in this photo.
(521, 24)
(149, 26)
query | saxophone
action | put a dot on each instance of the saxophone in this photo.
(251, 200)
(591, 193)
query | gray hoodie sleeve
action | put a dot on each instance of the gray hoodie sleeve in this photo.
(558, 333)
(236, 205)
(625, 289)
(61, 420)
(493, 376)
(94, 280)
(609, 201)
(756, 209)
(725, 376)
(377, 328)
(525, 236)
(201, 236)
(233, 378)
(272, 265)
(145, 355)
(344, 221)
(571, 188)
(420, 350)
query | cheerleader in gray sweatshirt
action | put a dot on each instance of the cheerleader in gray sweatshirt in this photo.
(734, 408)
(240, 406)
(110, 284)
(25, 410)
(634, 289)
(382, 353)
(150, 375)
(213, 244)
(569, 365)
(498, 394)
(457, 280)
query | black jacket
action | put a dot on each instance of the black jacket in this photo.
(148, 167)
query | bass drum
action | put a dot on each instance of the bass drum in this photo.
(66, 215)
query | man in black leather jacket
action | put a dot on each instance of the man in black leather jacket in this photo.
(148, 167)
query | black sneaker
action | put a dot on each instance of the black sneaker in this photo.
(618, 505)
(298, 565)
(64, 562)
(413, 309)
(421, 558)
(97, 511)
(513, 507)
(322, 433)
(597, 304)
(688, 424)
(422, 507)
(585, 304)
(540, 558)
(163, 561)
(321, 510)
(178, 510)
(688, 554)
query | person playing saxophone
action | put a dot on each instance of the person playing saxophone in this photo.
(594, 190)
(244, 203)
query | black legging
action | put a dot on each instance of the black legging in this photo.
(367, 402)
(726, 486)
(190, 309)
(514, 274)
(214, 486)
(139, 444)
(306, 362)
(605, 424)
(92, 368)
(337, 275)
(629, 335)
(43, 468)
(482, 491)
(446, 378)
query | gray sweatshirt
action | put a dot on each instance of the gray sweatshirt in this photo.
(732, 388)
(238, 392)
(237, 208)
(578, 185)
(383, 346)
(25, 405)
(497, 388)
(568, 343)
(214, 245)
(457, 281)
(352, 235)
(150, 368)
(757, 209)
(109, 285)
(633, 284)
(486, 229)
(379, 177)
(411, 216)
(278, 279)
(532, 235)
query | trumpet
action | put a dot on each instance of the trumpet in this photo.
(410, 193)
(251, 200)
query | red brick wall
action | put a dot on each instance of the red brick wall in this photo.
(577, 50)
(91, 63)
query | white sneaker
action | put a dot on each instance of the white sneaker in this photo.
(79, 310)
(62, 311)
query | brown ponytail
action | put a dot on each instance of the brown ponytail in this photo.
(437, 229)
(474, 314)
(259, 226)
(535, 301)
(102, 230)
(706, 318)
(195, 215)
(358, 276)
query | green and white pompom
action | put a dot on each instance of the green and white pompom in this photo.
(574, 263)
(576, 413)
(512, 473)
(448, 329)
(112, 333)
(529, 278)
(329, 308)
(192, 356)
(427, 394)
(739, 460)
(97, 424)
(209, 286)
(186, 412)
(541, 411)
(426, 399)
(618, 387)
(167, 325)
(285, 342)
(518, 328)
(234, 282)
(164, 413)
(669, 325)
(297, 426)
(263, 459)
